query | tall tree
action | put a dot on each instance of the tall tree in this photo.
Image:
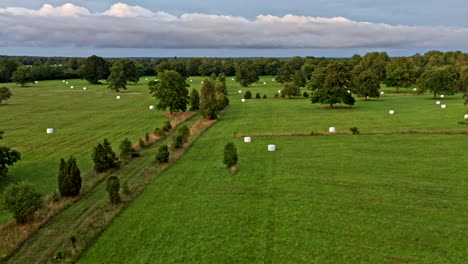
(7, 157)
(194, 100)
(366, 83)
(209, 102)
(246, 73)
(439, 80)
(288, 69)
(171, 91)
(69, 178)
(7, 68)
(291, 89)
(299, 79)
(22, 76)
(330, 85)
(400, 73)
(122, 71)
(94, 69)
(5, 94)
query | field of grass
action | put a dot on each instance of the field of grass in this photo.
(81, 119)
(332, 199)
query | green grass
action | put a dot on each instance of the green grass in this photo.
(335, 199)
(81, 119)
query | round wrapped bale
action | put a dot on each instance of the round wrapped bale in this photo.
(466, 116)
(84, 88)
(438, 102)
(243, 100)
(151, 107)
(443, 106)
(271, 147)
(50, 131)
(247, 139)
(332, 129)
(118, 97)
(392, 112)
(442, 96)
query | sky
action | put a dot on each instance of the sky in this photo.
(241, 28)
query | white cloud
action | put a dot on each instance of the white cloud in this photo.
(124, 26)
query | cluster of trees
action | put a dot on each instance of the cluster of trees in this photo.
(7, 157)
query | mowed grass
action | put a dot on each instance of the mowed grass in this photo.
(81, 119)
(327, 199)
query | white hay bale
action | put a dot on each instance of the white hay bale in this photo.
(279, 91)
(36, 82)
(84, 88)
(63, 80)
(382, 93)
(271, 147)
(438, 102)
(232, 79)
(191, 80)
(264, 83)
(146, 78)
(66, 82)
(50, 131)
(414, 89)
(442, 96)
(332, 129)
(202, 82)
(118, 97)
(272, 80)
(443, 106)
(151, 107)
(466, 116)
(349, 91)
(247, 139)
(240, 91)
(392, 112)
(72, 87)
(243, 100)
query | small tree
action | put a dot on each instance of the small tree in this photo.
(5, 94)
(209, 103)
(22, 200)
(194, 100)
(113, 188)
(247, 95)
(223, 101)
(291, 89)
(69, 178)
(439, 80)
(104, 157)
(141, 143)
(257, 96)
(22, 76)
(7, 157)
(170, 91)
(126, 149)
(167, 126)
(264, 96)
(178, 142)
(184, 131)
(230, 154)
(162, 156)
(160, 132)
(246, 73)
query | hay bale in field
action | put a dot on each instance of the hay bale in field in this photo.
(392, 112)
(243, 100)
(382, 93)
(271, 147)
(240, 91)
(84, 88)
(247, 139)
(118, 97)
(50, 131)
(438, 102)
(443, 106)
(151, 107)
(332, 129)
(279, 91)
(442, 96)
(72, 87)
(466, 116)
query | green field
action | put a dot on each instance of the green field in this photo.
(326, 199)
(323, 199)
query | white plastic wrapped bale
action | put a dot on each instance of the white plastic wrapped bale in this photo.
(272, 80)
(84, 88)
(332, 129)
(271, 147)
(247, 139)
(240, 91)
(442, 96)
(36, 82)
(466, 116)
(243, 100)
(443, 106)
(264, 83)
(63, 80)
(202, 82)
(151, 107)
(382, 93)
(392, 112)
(191, 80)
(438, 102)
(414, 89)
(118, 97)
(349, 91)
(72, 87)
(279, 91)
(50, 131)
(66, 82)
(232, 79)
(146, 78)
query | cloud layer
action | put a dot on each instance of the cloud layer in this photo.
(124, 26)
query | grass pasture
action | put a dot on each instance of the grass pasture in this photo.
(80, 118)
(397, 198)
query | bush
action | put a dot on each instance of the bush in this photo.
(276, 95)
(354, 130)
(162, 156)
(194, 100)
(167, 126)
(178, 142)
(69, 178)
(306, 94)
(147, 137)
(126, 149)
(184, 131)
(257, 96)
(113, 188)
(264, 96)
(141, 143)
(282, 94)
(160, 132)
(248, 95)
(104, 157)
(230, 154)
(125, 189)
(23, 201)
(223, 101)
